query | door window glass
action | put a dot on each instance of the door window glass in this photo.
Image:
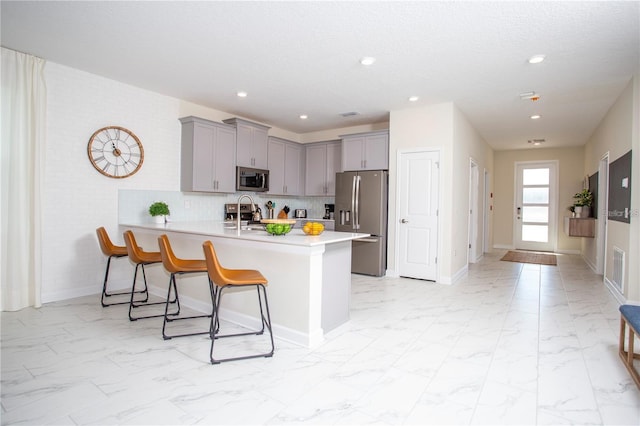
(535, 176)
(536, 214)
(535, 195)
(537, 233)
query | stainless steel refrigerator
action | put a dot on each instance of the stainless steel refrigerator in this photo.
(361, 206)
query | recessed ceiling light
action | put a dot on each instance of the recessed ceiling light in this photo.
(535, 116)
(536, 59)
(413, 98)
(304, 117)
(367, 60)
(242, 94)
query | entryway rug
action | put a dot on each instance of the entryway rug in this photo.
(530, 257)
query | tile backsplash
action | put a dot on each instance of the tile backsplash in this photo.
(133, 205)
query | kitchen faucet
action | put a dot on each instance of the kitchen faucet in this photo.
(253, 207)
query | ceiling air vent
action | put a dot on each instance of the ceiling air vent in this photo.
(349, 114)
(529, 96)
(536, 142)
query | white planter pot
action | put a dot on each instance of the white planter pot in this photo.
(159, 219)
(586, 211)
(578, 210)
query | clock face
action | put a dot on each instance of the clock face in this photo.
(115, 152)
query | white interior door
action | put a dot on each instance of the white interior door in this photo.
(603, 209)
(417, 230)
(536, 206)
(472, 255)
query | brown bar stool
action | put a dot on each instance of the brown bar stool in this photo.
(229, 278)
(113, 251)
(176, 266)
(141, 258)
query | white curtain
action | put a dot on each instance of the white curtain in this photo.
(23, 135)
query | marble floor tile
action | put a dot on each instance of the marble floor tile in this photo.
(508, 344)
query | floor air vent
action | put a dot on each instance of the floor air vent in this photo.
(618, 269)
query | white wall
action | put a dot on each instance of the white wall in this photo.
(442, 127)
(467, 145)
(570, 179)
(618, 133)
(428, 127)
(78, 199)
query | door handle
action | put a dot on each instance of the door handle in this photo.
(404, 221)
(367, 240)
(519, 209)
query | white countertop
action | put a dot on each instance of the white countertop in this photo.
(217, 228)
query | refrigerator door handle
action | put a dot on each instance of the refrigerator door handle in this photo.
(367, 240)
(356, 220)
(353, 202)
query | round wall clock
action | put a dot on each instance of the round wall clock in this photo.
(115, 152)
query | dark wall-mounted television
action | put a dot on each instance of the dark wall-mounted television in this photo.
(593, 187)
(620, 189)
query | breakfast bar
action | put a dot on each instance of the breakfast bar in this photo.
(309, 276)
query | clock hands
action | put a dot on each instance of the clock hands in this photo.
(116, 151)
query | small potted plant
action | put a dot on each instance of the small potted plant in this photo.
(583, 201)
(159, 210)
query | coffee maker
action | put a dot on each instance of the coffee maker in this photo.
(328, 211)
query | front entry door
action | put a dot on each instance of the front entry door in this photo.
(417, 228)
(536, 206)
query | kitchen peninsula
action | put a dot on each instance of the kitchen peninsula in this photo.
(309, 276)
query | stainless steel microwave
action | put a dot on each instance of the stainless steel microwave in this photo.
(248, 179)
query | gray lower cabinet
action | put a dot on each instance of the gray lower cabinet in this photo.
(286, 167)
(208, 156)
(322, 164)
(365, 151)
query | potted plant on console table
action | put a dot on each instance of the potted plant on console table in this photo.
(159, 211)
(582, 204)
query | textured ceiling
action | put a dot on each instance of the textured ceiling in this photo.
(303, 58)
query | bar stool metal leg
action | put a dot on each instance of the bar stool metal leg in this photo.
(140, 303)
(223, 279)
(113, 251)
(141, 258)
(176, 266)
(265, 320)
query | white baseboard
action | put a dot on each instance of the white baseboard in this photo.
(280, 332)
(590, 264)
(392, 273)
(457, 276)
(614, 291)
(578, 252)
(504, 246)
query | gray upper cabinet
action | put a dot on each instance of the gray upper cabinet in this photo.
(322, 164)
(286, 167)
(208, 156)
(366, 151)
(251, 143)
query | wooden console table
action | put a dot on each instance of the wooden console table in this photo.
(580, 227)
